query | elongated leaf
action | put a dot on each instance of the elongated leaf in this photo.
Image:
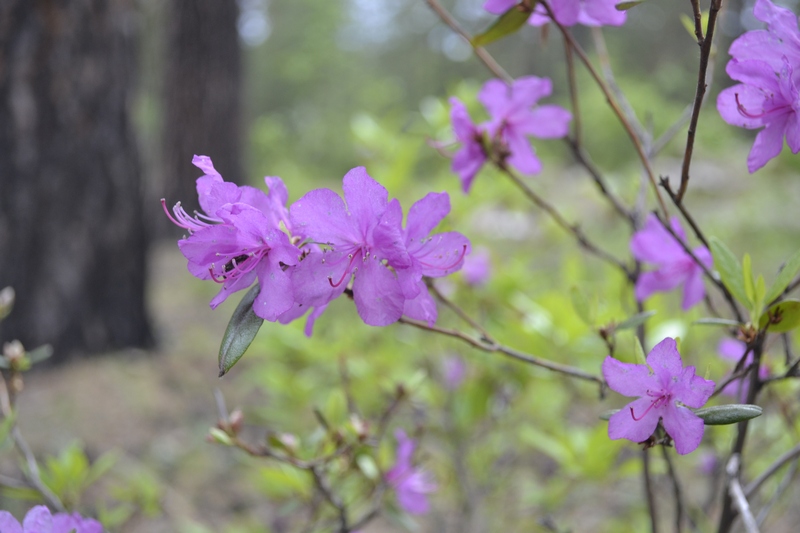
(785, 276)
(635, 320)
(730, 271)
(781, 317)
(241, 331)
(747, 277)
(712, 321)
(508, 23)
(624, 6)
(721, 415)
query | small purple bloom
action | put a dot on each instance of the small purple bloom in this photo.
(469, 159)
(477, 267)
(39, 520)
(454, 370)
(568, 12)
(514, 116)
(411, 484)
(733, 350)
(432, 256)
(360, 233)
(666, 390)
(654, 244)
(238, 240)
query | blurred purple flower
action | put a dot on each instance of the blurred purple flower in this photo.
(767, 62)
(454, 370)
(654, 244)
(39, 520)
(514, 116)
(469, 159)
(411, 484)
(707, 463)
(567, 12)
(477, 267)
(666, 390)
(733, 350)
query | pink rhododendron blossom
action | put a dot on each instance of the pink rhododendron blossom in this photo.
(411, 484)
(238, 240)
(431, 256)
(39, 520)
(767, 63)
(567, 12)
(360, 233)
(514, 116)
(469, 159)
(733, 350)
(654, 244)
(666, 390)
(477, 267)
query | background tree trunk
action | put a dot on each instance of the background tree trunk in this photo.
(202, 95)
(72, 239)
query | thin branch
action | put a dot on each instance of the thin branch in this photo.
(482, 54)
(486, 336)
(664, 181)
(698, 21)
(784, 484)
(705, 52)
(754, 485)
(326, 491)
(562, 222)
(677, 493)
(510, 352)
(573, 94)
(737, 495)
(676, 127)
(648, 490)
(614, 107)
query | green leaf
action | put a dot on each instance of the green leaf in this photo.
(606, 415)
(624, 6)
(721, 415)
(367, 466)
(241, 331)
(760, 291)
(785, 276)
(635, 320)
(583, 306)
(508, 23)
(747, 277)
(781, 317)
(730, 271)
(713, 321)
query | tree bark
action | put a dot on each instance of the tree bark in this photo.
(202, 100)
(72, 238)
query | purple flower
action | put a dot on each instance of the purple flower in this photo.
(515, 116)
(477, 267)
(470, 158)
(39, 520)
(411, 484)
(733, 350)
(454, 370)
(654, 244)
(359, 238)
(433, 256)
(238, 240)
(765, 62)
(567, 12)
(666, 390)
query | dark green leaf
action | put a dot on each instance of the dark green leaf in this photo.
(635, 320)
(241, 331)
(711, 321)
(730, 271)
(624, 6)
(606, 415)
(508, 23)
(786, 275)
(781, 317)
(721, 415)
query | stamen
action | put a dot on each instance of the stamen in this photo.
(745, 113)
(344, 274)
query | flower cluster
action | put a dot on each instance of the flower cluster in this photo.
(39, 520)
(666, 390)
(411, 484)
(567, 12)
(306, 256)
(514, 116)
(767, 63)
(654, 244)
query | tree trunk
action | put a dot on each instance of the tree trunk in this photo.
(202, 104)
(72, 239)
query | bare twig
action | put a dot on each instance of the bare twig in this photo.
(573, 94)
(737, 495)
(648, 490)
(486, 336)
(324, 488)
(583, 158)
(754, 485)
(705, 43)
(677, 493)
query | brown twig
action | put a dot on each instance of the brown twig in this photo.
(705, 43)
(754, 485)
(648, 490)
(572, 81)
(677, 493)
(583, 158)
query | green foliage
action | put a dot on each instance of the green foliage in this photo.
(241, 331)
(70, 474)
(508, 23)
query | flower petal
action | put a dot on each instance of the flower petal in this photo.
(9, 524)
(426, 214)
(322, 216)
(665, 361)
(768, 144)
(377, 294)
(544, 122)
(422, 307)
(685, 428)
(628, 379)
(38, 520)
(366, 198)
(522, 157)
(622, 425)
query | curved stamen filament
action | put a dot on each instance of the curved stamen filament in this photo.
(745, 113)
(344, 274)
(658, 402)
(457, 261)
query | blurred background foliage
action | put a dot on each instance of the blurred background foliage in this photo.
(337, 84)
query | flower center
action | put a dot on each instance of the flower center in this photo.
(659, 398)
(238, 266)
